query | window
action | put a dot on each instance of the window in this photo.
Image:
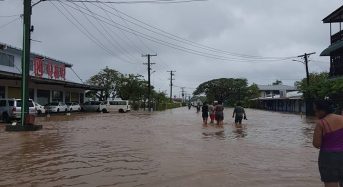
(2, 103)
(2, 91)
(19, 103)
(6, 60)
(10, 103)
(57, 96)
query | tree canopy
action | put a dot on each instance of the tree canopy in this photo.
(227, 90)
(126, 86)
(321, 86)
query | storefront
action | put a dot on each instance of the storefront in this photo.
(47, 78)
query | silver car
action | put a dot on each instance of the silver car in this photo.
(94, 106)
(10, 109)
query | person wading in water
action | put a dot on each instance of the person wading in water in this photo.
(205, 113)
(328, 137)
(219, 109)
(239, 114)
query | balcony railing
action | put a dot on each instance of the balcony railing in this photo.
(337, 37)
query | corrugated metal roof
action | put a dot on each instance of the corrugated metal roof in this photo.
(335, 17)
(276, 87)
(18, 50)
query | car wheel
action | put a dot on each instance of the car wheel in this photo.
(66, 110)
(121, 111)
(5, 118)
(104, 110)
(39, 112)
(58, 110)
(71, 110)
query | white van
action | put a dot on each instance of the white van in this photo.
(121, 106)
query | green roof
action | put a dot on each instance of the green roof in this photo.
(332, 49)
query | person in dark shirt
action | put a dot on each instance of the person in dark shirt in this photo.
(205, 113)
(239, 114)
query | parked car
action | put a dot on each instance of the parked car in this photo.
(73, 106)
(10, 109)
(94, 106)
(121, 106)
(56, 107)
(40, 109)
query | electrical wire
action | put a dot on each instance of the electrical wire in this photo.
(166, 43)
(139, 2)
(180, 39)
(8, 23)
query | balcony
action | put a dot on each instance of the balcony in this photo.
(337, 37)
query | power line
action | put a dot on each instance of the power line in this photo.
(165, 43)
(107, 35)
(194, 43)
(138, 2)
(86, 32)
(173, 45)
(8, 23)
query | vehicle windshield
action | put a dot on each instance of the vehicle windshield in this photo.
(19, 103)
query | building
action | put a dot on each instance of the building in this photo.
(271, 91)
(280, 98)
(47, 82)
(335, 50)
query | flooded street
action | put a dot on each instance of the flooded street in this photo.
(169, 148)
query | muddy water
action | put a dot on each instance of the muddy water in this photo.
(168, 148)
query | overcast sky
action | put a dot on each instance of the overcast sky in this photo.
(264, 28)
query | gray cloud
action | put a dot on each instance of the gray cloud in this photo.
(255, 27)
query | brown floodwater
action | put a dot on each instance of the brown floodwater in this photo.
(169, 148)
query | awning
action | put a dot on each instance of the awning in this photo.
(16, 76)
(332, 49)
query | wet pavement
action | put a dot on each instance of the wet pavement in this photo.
(169, 148)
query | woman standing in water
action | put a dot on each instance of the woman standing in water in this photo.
(328, 137)
(219, 109)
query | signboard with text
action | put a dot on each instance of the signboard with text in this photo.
(49, 68)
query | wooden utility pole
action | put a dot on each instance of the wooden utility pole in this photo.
(149, 80)
(171, 84)
(308, 101)
(305, 56)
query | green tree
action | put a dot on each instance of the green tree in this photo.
(277, 82)
(321, 86)
(107, 79)
(227, 90)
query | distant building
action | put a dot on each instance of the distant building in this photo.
(271, 91)
(281, 98)
(335, 50)
(47, 83)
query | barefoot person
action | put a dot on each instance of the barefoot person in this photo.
(205, 113)
(219, 109)
(239, 114)
(328, 137)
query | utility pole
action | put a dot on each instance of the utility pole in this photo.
(149, 80)
(305, 56)
(25, 61)
(183, 93)
(171, 84)
(308, 102)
